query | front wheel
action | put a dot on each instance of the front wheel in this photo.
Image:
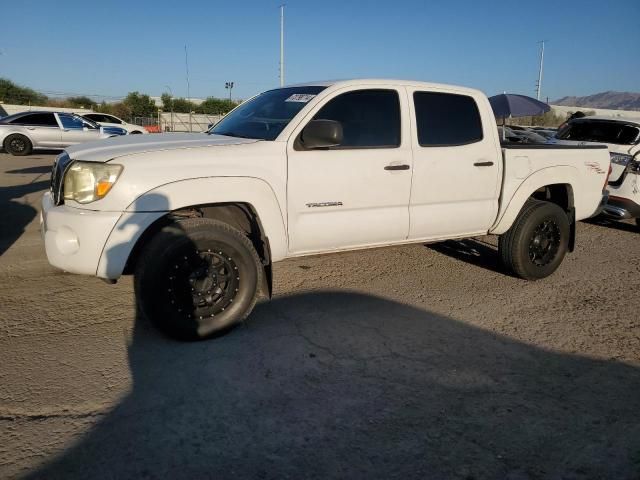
(537, 242)
(197, 277)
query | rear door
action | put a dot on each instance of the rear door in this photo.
(457, 165)
(41, 127)
(355, 194)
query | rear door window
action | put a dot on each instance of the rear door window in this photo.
(445, 119)
(37, 120)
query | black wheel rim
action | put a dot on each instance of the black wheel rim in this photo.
(17, 145)
(544, 243)
(201, 284)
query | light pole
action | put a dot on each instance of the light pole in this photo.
(282, 45)
(229, 86)
(171, 104)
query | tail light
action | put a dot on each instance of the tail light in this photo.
(606, 180)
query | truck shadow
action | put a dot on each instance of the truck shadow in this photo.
(624, 226)
(472, 251)
(346, 385)
(16, 215)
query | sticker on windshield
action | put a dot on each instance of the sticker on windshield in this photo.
(300, 97)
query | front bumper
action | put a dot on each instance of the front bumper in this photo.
(74, 238)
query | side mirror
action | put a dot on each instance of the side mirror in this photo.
(210, 125)
(321, 134)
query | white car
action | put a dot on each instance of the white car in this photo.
(113, 121)
(304, 170)
(622, 138)
(24, 132)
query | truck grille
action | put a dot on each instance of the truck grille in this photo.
(60, 167)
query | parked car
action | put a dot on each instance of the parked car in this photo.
(23, 132)
(113, 121)
(304, 170)
(622, 138)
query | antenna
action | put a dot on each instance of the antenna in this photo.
(539, 84)
(282, 45)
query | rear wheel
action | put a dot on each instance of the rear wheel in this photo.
(197, 277)
(135, 132)
(17, 144)
(537, 242)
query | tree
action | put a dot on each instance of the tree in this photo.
(12, 93)
(140, 105)
(181, 105)
(216, 106)
(81, 101)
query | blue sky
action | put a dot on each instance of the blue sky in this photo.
(112, 47)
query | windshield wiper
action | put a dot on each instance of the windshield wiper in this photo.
(232, 134)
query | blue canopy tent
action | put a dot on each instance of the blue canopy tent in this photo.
(508, 105)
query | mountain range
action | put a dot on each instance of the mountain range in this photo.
(612, 100)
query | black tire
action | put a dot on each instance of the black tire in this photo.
(537, 242)
(197, 277)
(638, 222)
(18, 145)
(135, 132)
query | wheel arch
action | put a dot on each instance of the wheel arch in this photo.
(248, 204)
(4, 137)
(557, 185)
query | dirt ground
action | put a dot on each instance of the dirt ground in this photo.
(406, 362)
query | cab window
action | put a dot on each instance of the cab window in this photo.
(369, 118)
(445, 119)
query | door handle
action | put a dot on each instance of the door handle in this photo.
(31, 128)
(397, 167)
(483, 164)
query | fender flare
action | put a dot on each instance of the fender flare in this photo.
(556, 175)
(157, 202)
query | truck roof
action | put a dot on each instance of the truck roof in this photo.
(386, 81)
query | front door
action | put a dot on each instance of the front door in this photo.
(75, 130)
(357, 193)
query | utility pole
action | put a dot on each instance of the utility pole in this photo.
(539, 85)
(171, 93)
(282, 45)
(229, 86)
(186, 65)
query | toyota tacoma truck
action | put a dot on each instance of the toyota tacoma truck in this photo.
(323, 167)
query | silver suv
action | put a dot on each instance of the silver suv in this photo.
(23, 132)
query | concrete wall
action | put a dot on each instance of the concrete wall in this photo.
(9, 109)
(179, 122)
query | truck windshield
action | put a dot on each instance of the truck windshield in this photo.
(266, 115)
(600, 131)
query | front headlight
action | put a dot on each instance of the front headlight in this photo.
(87, 182)
(620, 158)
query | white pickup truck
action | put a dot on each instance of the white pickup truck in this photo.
(308, 169)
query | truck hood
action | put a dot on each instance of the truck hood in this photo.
(110, 148)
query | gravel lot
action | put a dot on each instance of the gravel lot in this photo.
(407, 362)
